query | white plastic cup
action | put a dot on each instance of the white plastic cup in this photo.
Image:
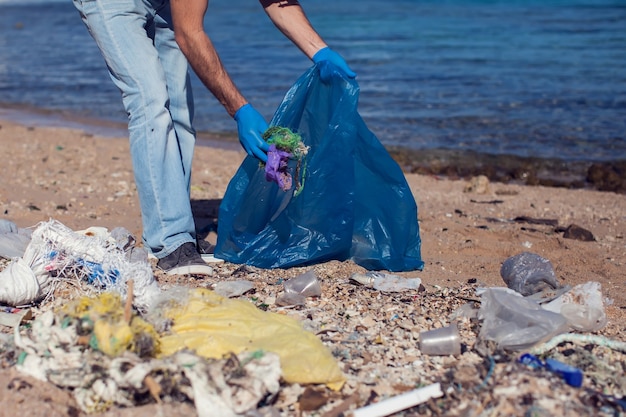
(442, 341)
(306, 285)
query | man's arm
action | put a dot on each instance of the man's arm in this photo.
(291, 20)
(188, 18)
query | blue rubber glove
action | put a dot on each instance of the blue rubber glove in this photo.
(251, 126)
(327, 54)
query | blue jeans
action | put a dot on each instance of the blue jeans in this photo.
(137, 42)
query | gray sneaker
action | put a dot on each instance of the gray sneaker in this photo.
(184, 261)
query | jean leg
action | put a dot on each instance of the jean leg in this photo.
(119, 29)
(178, 80)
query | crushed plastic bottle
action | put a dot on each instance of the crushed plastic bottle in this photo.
(386, 282)
(528, 273)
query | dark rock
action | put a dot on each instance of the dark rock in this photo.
(576, 232)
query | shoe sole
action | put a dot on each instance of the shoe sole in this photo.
(208, 258)
(211, 259)
(191, 270)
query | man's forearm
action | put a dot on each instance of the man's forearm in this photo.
(291, 20)
(188, 18)
(207, 65)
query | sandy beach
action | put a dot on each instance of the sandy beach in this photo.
(468, 229)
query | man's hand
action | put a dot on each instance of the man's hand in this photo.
(251, 126)
(327, 54)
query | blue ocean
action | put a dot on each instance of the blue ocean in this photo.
(534, 78)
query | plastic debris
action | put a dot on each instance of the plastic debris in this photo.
(307, 285)
(56, 252)
(582, 306)
(284, 146)
(214, 326)
(13, 317)
(52, 351)
(583, 339)
(297, 290)
(386, 282)
(571, 375)
(528, 273)
(13, 240)
(109, 328)
(441, 341)
(515, 322)
(401, 402)
(230, 289)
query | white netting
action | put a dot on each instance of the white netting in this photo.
(56, 252)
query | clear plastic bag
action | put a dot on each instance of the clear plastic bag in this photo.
(354, 202)
(515, 322)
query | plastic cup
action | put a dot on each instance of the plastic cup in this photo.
(306, 285)
(442, 341)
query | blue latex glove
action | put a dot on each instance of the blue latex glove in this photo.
(327, 54)
(251, 126)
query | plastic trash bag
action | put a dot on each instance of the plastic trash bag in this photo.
(354, 203)
(13, 240)
(214, 326)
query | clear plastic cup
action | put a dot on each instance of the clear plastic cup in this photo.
(306, 285)
(442, 341)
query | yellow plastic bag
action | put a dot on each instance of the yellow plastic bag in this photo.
(214, 326)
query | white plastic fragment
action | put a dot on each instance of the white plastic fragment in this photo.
(400, 402)
(230, 289)
(386, 282)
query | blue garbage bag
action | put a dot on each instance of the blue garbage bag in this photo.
(355, 203)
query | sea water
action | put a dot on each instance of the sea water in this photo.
(542, 78)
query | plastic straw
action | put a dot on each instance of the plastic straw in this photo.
(400, 402)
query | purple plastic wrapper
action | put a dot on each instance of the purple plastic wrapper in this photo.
(276, 167)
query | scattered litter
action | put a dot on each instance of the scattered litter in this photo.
(214, 326)
(386, 282)
(55, 252)
(13, 240)
(515, 322)
(400, 402)
(13, 317)
(583, 339)
(107, 325)
(441, 341)
(298, 289)
(582, 306)
(573, 376)
(227, 387)
(290, 299)
(307, 285)
(231, 289)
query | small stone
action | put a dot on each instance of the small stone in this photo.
(576, 232)
(478, 185)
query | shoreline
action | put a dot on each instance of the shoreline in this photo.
(448, 163)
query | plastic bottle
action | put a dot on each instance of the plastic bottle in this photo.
(386, 282)
(528, 273)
